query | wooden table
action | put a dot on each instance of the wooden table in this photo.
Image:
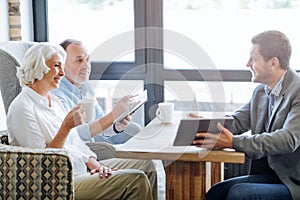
(190, 171)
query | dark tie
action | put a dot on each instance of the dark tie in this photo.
(270, 108)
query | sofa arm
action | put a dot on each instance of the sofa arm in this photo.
(103, 150)
(35, 173)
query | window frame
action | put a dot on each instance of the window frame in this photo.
(147, 13)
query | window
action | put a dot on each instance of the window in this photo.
(208, 96)
(26, 20)
(109, 91)
(224, 28)
(94, 23)
(202, 43)
(107, 28)
(213, 49)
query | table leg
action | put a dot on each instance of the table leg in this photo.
(185, 180)
(217, 172)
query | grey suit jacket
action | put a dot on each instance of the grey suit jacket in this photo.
(281, 140)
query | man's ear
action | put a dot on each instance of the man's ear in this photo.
(275, 62)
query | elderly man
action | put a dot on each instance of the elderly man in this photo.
(74, 87)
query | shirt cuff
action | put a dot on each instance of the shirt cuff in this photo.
(115, 130)
(84, 132)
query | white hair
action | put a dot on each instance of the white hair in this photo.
(34, 66)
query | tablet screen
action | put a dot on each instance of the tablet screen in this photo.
(189, 127)
(139, 100)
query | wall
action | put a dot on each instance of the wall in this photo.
(4, 33)
(16, 20)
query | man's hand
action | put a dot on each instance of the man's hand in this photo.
(122, 105)
(214, 141)
(121, 125)
(193, 115)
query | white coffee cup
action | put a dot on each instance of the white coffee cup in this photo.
(165, 112)
(89, 106)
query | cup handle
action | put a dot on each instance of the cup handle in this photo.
(158, 114)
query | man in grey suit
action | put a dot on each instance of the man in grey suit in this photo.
(273, 116)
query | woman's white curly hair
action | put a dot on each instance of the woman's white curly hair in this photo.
(34, 66)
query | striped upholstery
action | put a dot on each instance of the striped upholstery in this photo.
(35, 173)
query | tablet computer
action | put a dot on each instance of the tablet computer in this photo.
(139, 100)
(188, 128)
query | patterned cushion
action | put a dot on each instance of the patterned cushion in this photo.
(35, 173)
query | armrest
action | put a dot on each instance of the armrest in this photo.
(35, 173)
(133, 128)
(103, 150)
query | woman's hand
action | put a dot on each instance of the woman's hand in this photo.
(75, 117)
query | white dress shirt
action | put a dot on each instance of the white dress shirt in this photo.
(32, 123)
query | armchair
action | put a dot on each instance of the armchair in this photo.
(28, 173)
(35, 173)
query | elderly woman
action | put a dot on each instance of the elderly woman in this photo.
(37, 119)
